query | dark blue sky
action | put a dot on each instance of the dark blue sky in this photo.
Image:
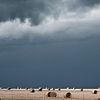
(54, 43)
(69, 63)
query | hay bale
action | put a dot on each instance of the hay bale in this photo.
(26, 88)
(51, 94)
(32, 91)
(40, 89)
(59, 89)
(81, 89)
(52, 89)
(48, 89)
(95, 92)
(68, 95)
(8, 88)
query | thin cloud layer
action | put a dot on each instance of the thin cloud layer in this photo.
(54, 20)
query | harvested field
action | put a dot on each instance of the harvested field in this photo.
(67, 94)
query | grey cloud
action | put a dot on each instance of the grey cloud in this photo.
(90, 2)
(45, 20)
(22, 9)
(37, 10)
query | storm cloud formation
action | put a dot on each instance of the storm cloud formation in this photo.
(49, 19)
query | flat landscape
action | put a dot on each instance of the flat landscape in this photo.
(45, 94)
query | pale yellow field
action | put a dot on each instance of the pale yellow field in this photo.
(22, 94)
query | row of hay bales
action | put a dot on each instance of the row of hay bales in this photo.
(54, 94)
(66, 95)
(41, 89)
(53, 89)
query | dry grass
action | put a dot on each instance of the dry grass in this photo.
(42, 95)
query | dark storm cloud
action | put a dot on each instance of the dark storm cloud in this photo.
(36, 9)
(48, 19)
(89, 2)
(11, 9)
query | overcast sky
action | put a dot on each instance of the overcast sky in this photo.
(52, 43)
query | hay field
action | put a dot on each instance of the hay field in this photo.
(27, 94)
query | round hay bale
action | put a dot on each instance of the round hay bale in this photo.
(68, 95)
(32, 91)
(59, 89)
(49, 89)
(40, 89)
(81, 89)
(9, 88)
(52, 89)
(26, 88)
(95, 92)
(51, 94)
